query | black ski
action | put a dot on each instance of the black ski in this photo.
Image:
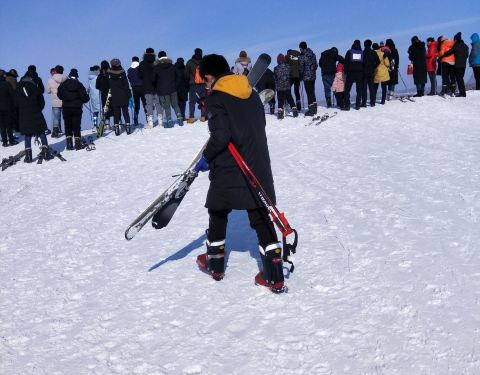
(12, 160)
(57, 154)
(317, 120)
(105, 112)
(163, 208)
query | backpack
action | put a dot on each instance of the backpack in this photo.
(198, 78)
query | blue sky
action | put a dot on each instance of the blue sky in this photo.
(82, 33)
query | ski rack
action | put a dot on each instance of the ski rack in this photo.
(278, 217)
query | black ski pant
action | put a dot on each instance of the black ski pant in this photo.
(41, 135)
(369, 84)
(72, 120)
(117, 114)
(6, 122)
(448, 78)
(459, 77)
(384, 91)
(358, 80)
(183, 105)
(196, 92)
(138, 96)
(259, 221)
(340, 98)
(283, 95)
(433, 83)
(296, 90)
(310, 90)
(476, 74)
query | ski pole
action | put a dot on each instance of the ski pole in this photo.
(277, 217)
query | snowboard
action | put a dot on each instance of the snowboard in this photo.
(163, 208)
(266, 95)
(105, 112)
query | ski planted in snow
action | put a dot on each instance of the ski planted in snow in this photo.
(163, 208)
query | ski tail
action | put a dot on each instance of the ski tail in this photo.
(277, 217)
(258, 69)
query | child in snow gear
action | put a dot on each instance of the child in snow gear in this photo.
(73, 94)
(52, 87)
(30, 104)
(308, 67)
(282, 83)
(121, 94)
(338, 86)
(7, 111)
(236, 115)
(197, 85)
(94, 93)
(137, 88)
(165, 79)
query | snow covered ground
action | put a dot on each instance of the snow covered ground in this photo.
(386, 201)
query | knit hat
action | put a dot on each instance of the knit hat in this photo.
(32, 68)
(198, 51)
(135, 58)
(430, 39)
(382, 43)
(162, 54)
(339, 67)
(59, 69)
(458, 36)
(242, 54)
(180, 60)
(367, 43)
(94, 68)
(73, 73)
(303, 45)
(280, 58)
(115, 62)
(13, 73)
(214, 65)
(149, 50)
(375, 46)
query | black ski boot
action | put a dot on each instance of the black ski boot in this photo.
(5, 143)
(311, 110)
(79, 145)
(69, 142)
(294, 112)
(329, 102)
(272, 274)
(45, 153)
(55, 132)
(28, 155)
(128, 129)
(117, 130)
(280, 114)
(213, 261)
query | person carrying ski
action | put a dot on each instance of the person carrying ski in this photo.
(474, 59)
(308, 72)
(121, 94)
(52, 86)
(102, 84)
(282, 83)
(165, 80)
(30, 104)
(328, 65)
(243, 64)
(236, 115)
(137, 88)
(460, 51)
(73, 94)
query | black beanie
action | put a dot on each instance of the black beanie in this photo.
(198, 51)
(303, 45)
(149, 50)
(214, 65)
(162, 54)
(458, 36)
(367, 43)
(73, 73)
(135, 58)
(32, 68)
(375, 46)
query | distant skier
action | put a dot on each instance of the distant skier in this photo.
(282, 83)
(416, 54)
(293, 58)
(7, 111)
(197, 85)
(371, 61)
(353, 67)
(447, 66)
(394, 60)
(94, 93)
(73, 95)
(474, 59)
(382, 74)
(328, 65)
(145, 73)
(338, 86)
(102, 84)
(165, 79)
(268, 82)
(137, 88)
(52, 86)
(236, 115)
(460, 51)
(243, 64)
(121, 94)
(431, 63)
(30, 104)
(183, 85)
(308, 72)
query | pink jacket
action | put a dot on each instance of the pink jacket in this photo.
(339, 82)
(52, 88)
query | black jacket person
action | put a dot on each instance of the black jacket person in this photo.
(236, 115)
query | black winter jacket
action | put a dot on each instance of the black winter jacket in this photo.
(267, 81)
(236, 114)
(353, 65)
(308, 65)
(7, 101)
(145, 73)
(30, 103)
(191, 67)
(182, 82)
(328, 61)
(282, 76)
(72, 93)
(416, 54)
(460, 51)
(165, 77)
(102, 84)
(370, 62)
(293, 58)
(120, 89)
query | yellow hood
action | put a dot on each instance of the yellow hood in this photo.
(235, 85)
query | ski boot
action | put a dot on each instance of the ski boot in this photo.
(294, 112)
(12, 142)
(213, 261)
(329, 102)
(79, 144)
(5, 143)
(45, 153)
(272, 274)
(299, 105)
(190, 120)
(117, 129)
(128, 129)
(311, 110)
(180, 121)
(28, 155)
(280, 114)
(203, 119)
(54, 132)
(69, 141)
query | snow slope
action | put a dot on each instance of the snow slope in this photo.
(386, 202)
